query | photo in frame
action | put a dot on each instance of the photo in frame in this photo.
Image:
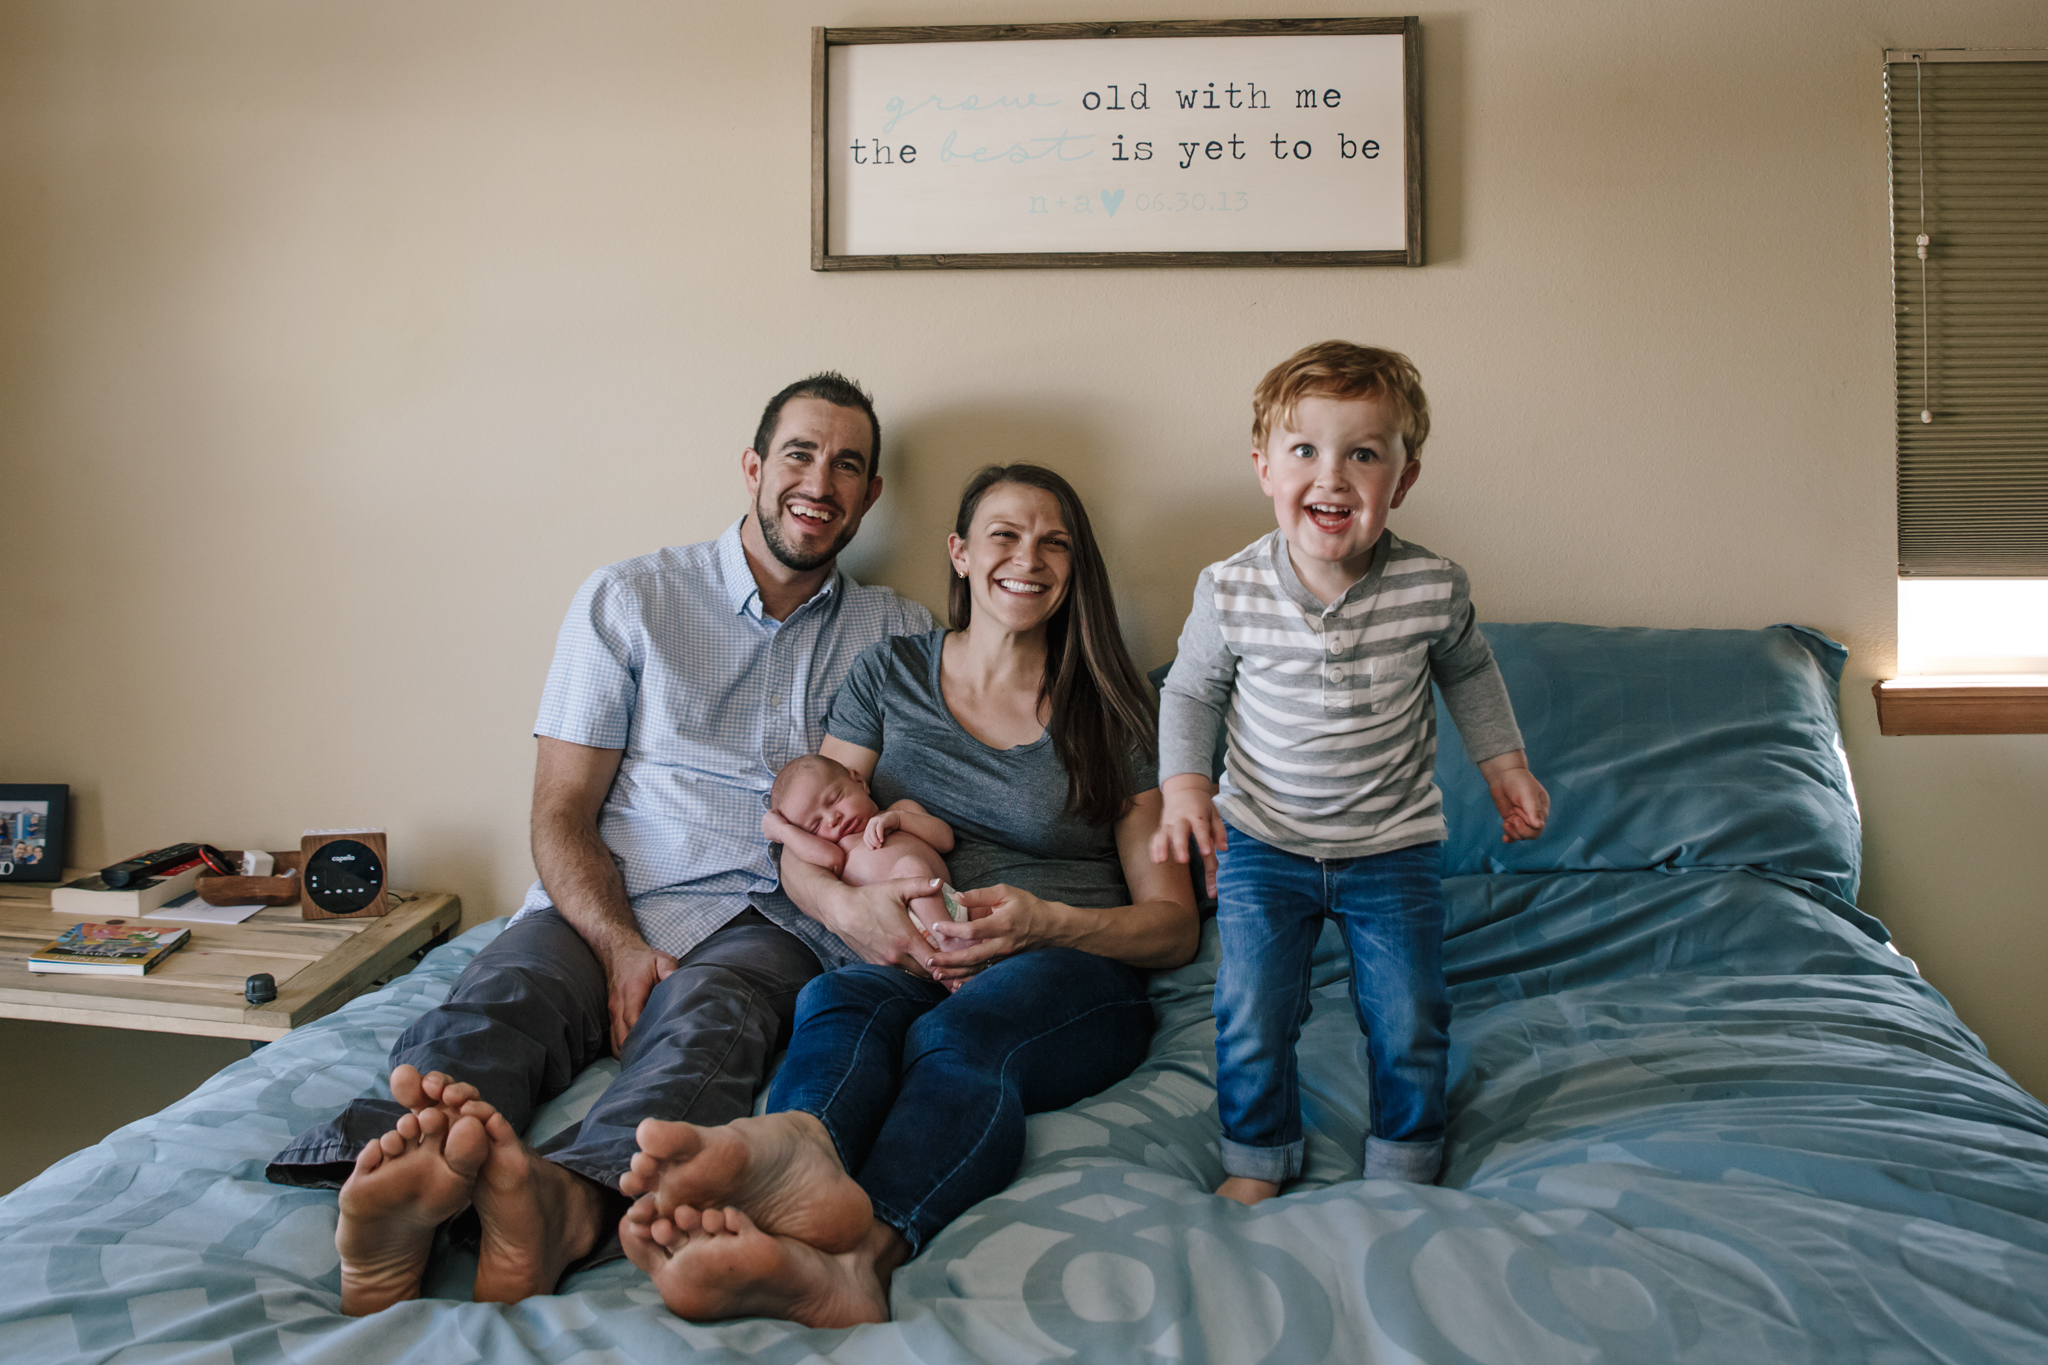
(33, 817)
(1163, 143)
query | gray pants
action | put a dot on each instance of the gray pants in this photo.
(532, 1011)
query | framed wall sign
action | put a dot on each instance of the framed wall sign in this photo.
(32, 818)
(1181, 143)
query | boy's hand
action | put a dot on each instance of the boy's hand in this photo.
(1188, 811)
(879, 827)
(1523, 804)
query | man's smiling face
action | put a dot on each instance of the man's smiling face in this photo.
(811, 486)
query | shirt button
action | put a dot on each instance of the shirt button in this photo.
(1336, 675)
(775, 703)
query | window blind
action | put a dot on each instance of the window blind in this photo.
(1969, 150)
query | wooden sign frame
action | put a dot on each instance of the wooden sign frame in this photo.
(823, 40)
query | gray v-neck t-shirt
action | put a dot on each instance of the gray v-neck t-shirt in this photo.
(1007, 807)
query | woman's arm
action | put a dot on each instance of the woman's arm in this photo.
(873, 920)
(1159, 929)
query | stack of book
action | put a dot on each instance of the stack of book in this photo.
(116, 949)
(93, 896)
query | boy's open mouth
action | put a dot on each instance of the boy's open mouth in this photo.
(1329, 518)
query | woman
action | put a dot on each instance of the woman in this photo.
(1027, 729)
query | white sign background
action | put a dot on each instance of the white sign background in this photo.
(1140, 144)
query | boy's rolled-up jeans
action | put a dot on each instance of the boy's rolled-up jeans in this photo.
(1270, 910)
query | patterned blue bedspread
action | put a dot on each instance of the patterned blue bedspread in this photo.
(1700, 1113)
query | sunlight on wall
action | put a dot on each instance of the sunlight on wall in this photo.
(1973, 625)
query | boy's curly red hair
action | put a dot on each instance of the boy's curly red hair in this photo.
(1343, 369)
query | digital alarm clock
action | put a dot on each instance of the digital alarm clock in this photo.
(341, 874)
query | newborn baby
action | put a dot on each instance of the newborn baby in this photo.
(821, 811)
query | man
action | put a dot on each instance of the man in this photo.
(682, 681)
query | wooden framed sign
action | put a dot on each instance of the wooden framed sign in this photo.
(1190, 143)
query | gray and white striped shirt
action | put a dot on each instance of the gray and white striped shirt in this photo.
(1327, 709)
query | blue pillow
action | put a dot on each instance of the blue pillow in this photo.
(1668, 749)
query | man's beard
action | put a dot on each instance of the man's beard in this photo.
(788, 555)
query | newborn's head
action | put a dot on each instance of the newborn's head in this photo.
(822, 796)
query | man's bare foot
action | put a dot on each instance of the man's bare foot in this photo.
(537, 1217)
(781, 1170)
(405, 1184)
(716, 1264)
(1246, 1190)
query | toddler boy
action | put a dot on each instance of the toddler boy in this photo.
(1313, 650)
(820, 810)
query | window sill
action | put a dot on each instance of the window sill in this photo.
(2015, 704)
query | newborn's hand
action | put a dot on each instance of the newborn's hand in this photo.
(881, 825)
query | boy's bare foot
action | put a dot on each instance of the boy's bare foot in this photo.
(717, 1264)
(1246, 1190)
(536, 1216)
(405, 1184)
(780, 1169)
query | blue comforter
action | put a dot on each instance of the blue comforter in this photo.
(1701, 1113)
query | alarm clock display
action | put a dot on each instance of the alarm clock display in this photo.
(343, 877)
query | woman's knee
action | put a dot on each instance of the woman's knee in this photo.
(862, 986)
(1040, 996)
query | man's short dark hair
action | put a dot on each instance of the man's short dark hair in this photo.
(836, 389)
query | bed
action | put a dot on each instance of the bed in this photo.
(1701, 1112)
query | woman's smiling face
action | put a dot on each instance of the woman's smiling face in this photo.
(1017, 556)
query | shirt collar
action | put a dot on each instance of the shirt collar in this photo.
(742, 593)
(1290, 581)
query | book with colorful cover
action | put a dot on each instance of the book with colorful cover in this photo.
(120, 949)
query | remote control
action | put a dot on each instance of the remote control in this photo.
(148, 865)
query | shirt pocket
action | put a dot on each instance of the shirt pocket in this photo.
(1395, 679)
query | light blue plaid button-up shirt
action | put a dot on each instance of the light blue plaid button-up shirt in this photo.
(668, 657)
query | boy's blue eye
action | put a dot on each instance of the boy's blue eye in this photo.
(1306, 452)
(1365, 455)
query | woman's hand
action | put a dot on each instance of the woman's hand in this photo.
(1005, 921)
(874, 921)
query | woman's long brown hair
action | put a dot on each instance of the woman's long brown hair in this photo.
(1102, 707)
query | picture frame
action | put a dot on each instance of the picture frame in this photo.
(34, 818)
(1254, 142)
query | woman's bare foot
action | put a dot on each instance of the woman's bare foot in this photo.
(405, 1184)
(717, 1264)
(417, 1092)
(537, 1217)
(781, 1170)
(1246, 1190)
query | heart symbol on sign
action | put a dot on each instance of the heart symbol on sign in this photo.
(1112, 202)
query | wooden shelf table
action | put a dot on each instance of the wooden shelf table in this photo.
(319, 965)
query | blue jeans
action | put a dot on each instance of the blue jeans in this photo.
(1269, 911)
(925, 1093)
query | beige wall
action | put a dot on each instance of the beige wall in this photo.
(338, 342)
